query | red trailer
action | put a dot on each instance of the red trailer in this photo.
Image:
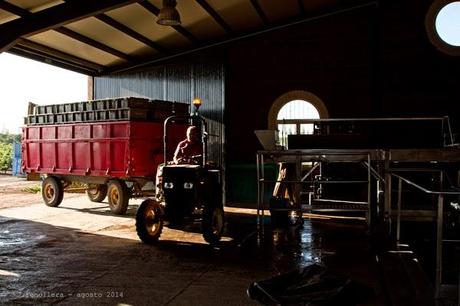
(115, 158)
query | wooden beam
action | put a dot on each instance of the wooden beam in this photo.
(126, 30)
(155, 11)
(31, 45)
(94, 43)
(260, 11)
(205, 5)
(54, 17)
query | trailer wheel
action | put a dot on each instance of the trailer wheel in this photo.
(149, 221)
(213, 224)
(52, 191)
(118, 196)
(96, 193)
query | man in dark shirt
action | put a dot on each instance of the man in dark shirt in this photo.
(190, 148)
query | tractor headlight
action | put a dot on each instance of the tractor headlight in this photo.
(169, 185)
(188, 185)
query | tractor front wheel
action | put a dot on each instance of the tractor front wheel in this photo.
(213, 224)
(149, 221)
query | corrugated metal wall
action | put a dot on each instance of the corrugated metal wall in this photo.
(180, 83)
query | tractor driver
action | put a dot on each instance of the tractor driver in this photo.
(190, 149)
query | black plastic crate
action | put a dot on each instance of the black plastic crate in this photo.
(60, 108)
(101, 115)
(124, 114)
(60, 118)
(171, 107)
(39, 110)
(137, 109)
(116, 104)
(30, 120)
(114, 114)
(44, 109)
(159, 115)
(180, 108)
(78, 117)
(89, 116)
(101, 104)
(80, 106)
(90, 106)
(44, 119)
(69, 117)
(138, 114)
(68, 107)
(50, 109)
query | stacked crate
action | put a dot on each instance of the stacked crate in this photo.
(117, 109)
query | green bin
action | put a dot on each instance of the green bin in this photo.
(242, 182)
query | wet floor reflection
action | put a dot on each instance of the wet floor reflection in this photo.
(342, 247)
(316, 241)
(294, 248)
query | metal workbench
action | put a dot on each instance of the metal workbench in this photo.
(382, 166)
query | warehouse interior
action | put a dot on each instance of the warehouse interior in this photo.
(378, 66)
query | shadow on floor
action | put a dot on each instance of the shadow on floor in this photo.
(42, 264)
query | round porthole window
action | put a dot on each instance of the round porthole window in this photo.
(443, 26)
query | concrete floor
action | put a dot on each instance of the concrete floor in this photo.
(81, 254)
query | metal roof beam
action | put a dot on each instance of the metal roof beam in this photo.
(13, 9)
(51, 60)
(339, 9)
(260, 11)
(301, 7)
(31, 45)
(54, 17)
(155, 11)
(133, 34)
(69, 33)
(205, 5)
(94, 43)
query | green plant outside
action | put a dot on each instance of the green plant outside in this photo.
(9, 138)
(32, 189)
(6, 156)
(6, 150)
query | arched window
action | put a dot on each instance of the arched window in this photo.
(292, 117)
(292, 114)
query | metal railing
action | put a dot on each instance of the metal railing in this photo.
(439, 216)
(445, 127)
(298, 157)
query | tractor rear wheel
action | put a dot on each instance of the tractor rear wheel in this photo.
(149, 221)
(96, 192)
(52, 191)
(118, 196)
(213, 224)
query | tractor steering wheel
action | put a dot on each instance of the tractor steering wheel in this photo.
(192, 160)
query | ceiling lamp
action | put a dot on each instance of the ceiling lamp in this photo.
(168, 15)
